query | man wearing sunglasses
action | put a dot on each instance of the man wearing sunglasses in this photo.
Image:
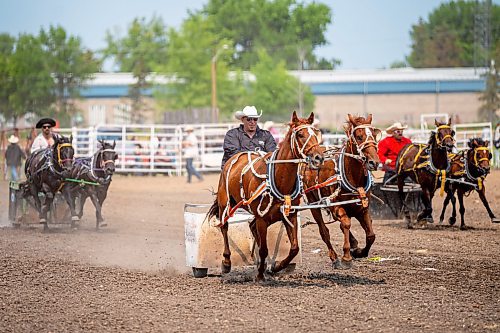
(248, 136)
(44, 139)
(389, 148)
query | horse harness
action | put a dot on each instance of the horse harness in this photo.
(268, 186)
(464, 172)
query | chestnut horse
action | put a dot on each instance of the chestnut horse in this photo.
(46, 170)
(345, 177)
(469, 168)
(267, 186)
(427, 165)
(96, 169)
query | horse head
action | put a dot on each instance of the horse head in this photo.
(362, 138)
(304, 140)
(63, 151)
(106, 157)
(479, 155)
(443, 136)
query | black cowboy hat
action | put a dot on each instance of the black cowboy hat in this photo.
(44, 121)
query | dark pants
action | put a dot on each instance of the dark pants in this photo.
(191, 170)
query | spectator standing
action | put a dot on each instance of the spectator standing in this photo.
(248, 136)
(190, 147)
(13, 158)
(389, 148)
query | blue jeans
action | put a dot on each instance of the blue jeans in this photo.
(13, 172)
(191, 170)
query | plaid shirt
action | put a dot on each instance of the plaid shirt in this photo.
(236, 140)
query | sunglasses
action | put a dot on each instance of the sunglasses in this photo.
(46, 126)
(252, 119)
(398, 131)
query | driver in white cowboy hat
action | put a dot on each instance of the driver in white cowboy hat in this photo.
(44, 139)
(13, 156)
(389, 148)
(248, 136)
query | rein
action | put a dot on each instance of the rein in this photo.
(58, 148)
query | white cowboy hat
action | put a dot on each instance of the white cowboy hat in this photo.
(248, 111)
(189, 128)
(13, 139)
(396, 126)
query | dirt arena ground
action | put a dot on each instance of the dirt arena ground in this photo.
(131, 276)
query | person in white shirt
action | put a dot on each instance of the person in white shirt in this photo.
(45, 138)
(190, 145)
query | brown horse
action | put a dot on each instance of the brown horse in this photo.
(267, 186)
(427, 165)
(46, 170)
(343, 178)
(469, 169)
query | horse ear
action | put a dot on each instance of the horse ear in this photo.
(436, 122)
(351, 119)
(449, 122)
(56, 138)
(114, 144)
(369, 118)
(310, 120)
(294, 117)
(487, 143)
(71, 138)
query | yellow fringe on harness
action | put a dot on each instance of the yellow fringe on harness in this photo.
(480, 183)
(443, 181)
(287, 205)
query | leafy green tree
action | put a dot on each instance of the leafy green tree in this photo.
(32, 84)
(490, 98)
(277, 92)
(140, 52)
(446, 39)
(70, 64)
(7, 44)
(282, 27)
(191, 51)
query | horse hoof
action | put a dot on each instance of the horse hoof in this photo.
(75, 218)
(43, 221)
(342, 264)
(452, 220)
(357, 253)
(225, 269)
(495, 220)
(103, 224)
(260, 279)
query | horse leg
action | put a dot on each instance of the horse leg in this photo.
(353, 241)
(83, 197)
(453, 217)
(291, 231)
(367, 225)
(226, 262)
(261, 226)
(445, 205)
(462, 208)
(401, 195)
(345, 226)
(426, 215)
(482, 196)
(97, 205)
(38, 204)
(71, 203)
(324, 232)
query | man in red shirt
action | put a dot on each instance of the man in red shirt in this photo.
(389, 148)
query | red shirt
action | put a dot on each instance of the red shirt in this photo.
(389, 147)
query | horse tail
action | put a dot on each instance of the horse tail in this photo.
(214, 210)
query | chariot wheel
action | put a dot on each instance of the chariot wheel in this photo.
(200, 272)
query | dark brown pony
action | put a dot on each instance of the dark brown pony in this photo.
(469, 169)
(267, 186)
(46, 170)
(427, 165)
(344, 177)
(96, 169)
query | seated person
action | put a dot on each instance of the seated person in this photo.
(389, 148)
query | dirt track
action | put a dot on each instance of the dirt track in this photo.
(131, 277)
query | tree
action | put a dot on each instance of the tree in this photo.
(278, 26)
(140, 52)
(490, 99)
(449, 37)
(71, 66)
(7, 44)
(277, 92)
(191, 51)
(31, 83)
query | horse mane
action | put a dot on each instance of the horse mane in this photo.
(476, 142)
